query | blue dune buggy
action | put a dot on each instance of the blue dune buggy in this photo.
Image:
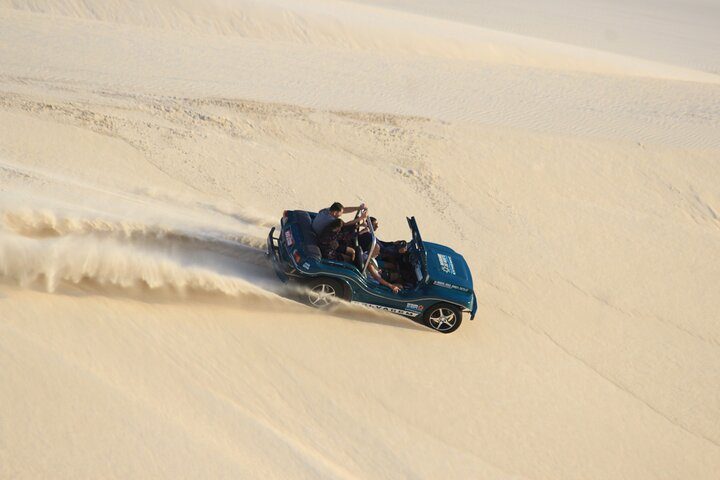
(438, 287)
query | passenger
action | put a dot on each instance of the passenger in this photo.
(374, 273)
(365, 237)
(348, 235)
(330, 245)
(336, 210)
(389, 251)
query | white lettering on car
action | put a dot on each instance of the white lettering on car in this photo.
(388, 309)
(447, 285)
(446, 264)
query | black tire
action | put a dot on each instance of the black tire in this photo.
(443, 317)
(322, 292)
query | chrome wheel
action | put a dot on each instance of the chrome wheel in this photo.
(322, 295)
(443, 319)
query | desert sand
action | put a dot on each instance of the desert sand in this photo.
(570, 153)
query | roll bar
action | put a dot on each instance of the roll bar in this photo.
(372, 246)
(374, 239)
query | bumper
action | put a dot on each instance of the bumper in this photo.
(474, 308)
(273, 253)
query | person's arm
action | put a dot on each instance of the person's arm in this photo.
(376, 275)
(361, 218)
(354, 209)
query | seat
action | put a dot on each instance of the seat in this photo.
(309, 239)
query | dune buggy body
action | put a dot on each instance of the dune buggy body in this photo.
(440, 291)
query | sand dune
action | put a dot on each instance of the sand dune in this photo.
(676, 33)
(146, 148)
(321, 23)
(504, 93)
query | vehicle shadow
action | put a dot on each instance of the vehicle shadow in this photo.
(357, 313)
(368, 315)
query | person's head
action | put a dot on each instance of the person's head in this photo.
(335, 225)
(376, 251)
(374, 222)
(336, 209)
(331, 228)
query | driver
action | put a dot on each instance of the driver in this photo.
(389, 251)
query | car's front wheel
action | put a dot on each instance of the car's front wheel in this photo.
(443, 317)
(323, 292)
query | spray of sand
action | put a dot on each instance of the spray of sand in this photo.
(49, 248)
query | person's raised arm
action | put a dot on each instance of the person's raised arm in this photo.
(354, 209)
(359, 219)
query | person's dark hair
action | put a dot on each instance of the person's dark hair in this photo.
(330, 227)
(336, 207)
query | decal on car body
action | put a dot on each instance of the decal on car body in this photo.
(446, 264)
(388, 309)
(450, 286)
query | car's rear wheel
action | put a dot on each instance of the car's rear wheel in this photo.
(323, 292)
(443, 317)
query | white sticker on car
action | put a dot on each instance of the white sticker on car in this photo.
(446, 264)
(388, 309)
(447, 285)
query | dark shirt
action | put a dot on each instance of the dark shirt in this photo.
(323, 218)
(365, 240)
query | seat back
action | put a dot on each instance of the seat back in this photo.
(303, 222)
